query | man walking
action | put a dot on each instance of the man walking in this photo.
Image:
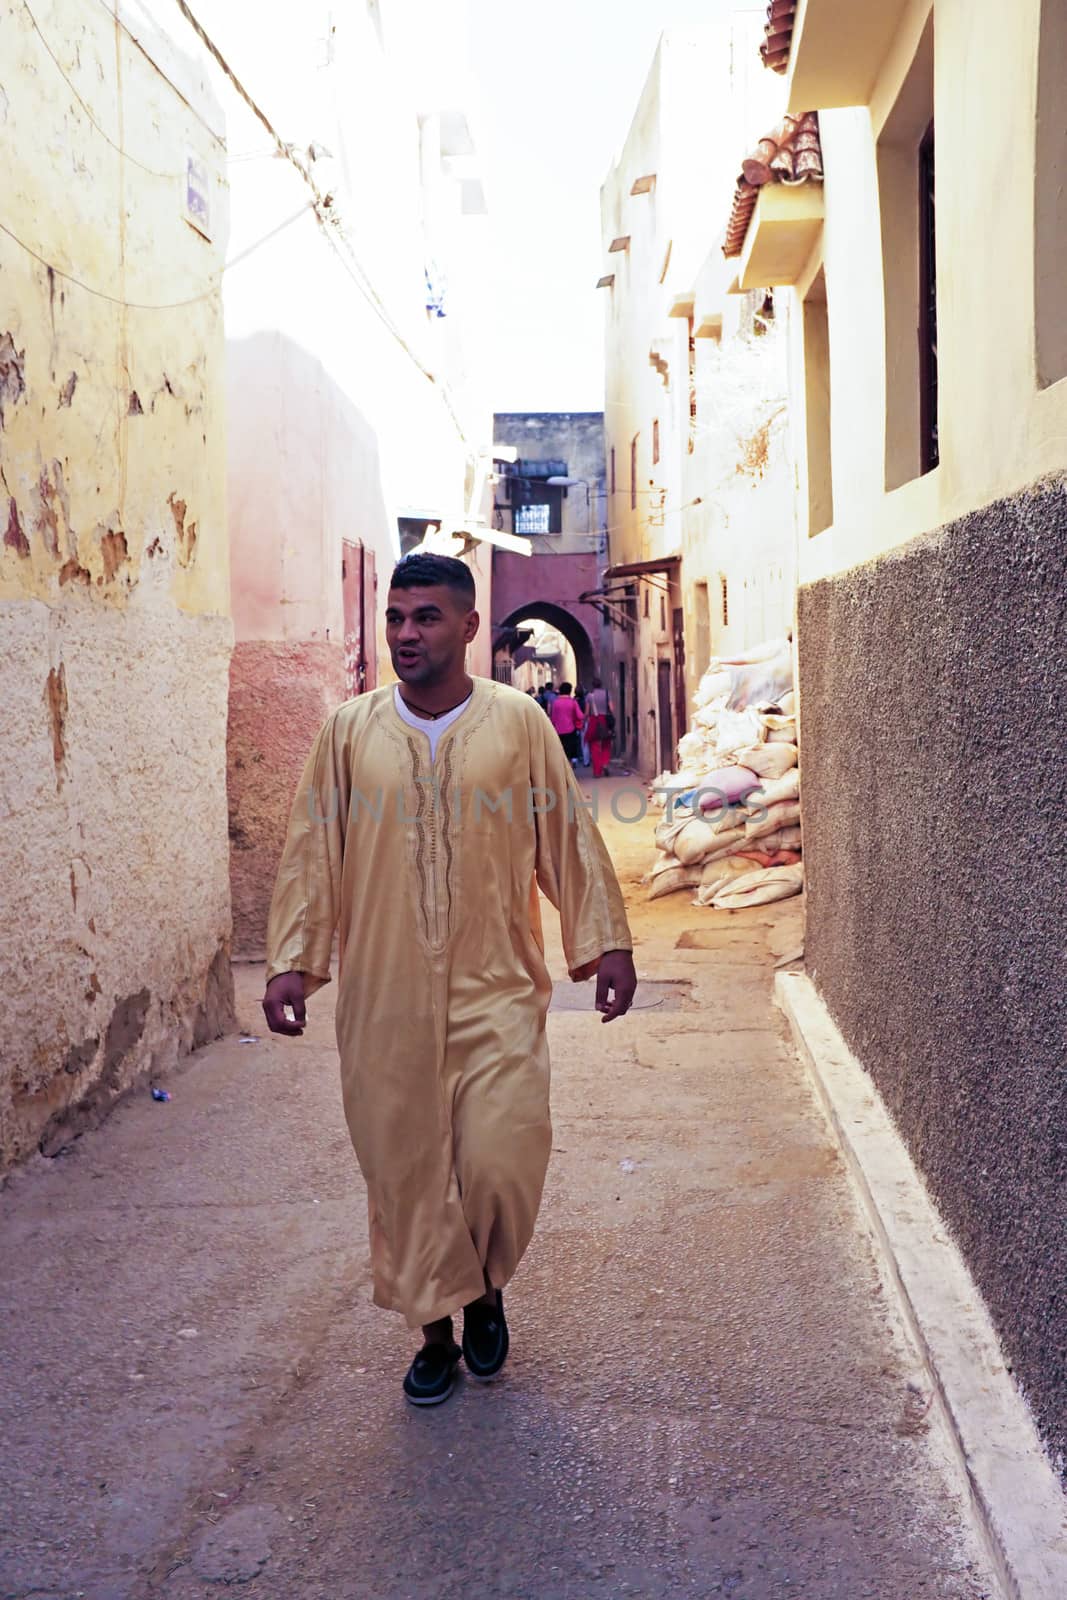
(428, 815)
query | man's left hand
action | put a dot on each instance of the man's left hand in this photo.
(615, 974)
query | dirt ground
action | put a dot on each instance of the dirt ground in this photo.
(710, 1392)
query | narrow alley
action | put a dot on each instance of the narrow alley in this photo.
(710, 1391)
(409, 410)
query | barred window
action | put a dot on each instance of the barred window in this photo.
(532, 519)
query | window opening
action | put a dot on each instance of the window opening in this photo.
(725, 601)
(655, 442)
(927, 304)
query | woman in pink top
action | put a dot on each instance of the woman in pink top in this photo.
(567, 717)
(599, 727)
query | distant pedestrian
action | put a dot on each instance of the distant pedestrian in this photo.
(567, 718)
(599, 727)
(583, 733)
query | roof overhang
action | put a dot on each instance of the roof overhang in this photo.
(642, 569)
(838, 49)
(682, 305)
(606, 281)
(784, 229)
(644, 185)
(620, 244)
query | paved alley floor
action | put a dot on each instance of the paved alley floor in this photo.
(709, 1394)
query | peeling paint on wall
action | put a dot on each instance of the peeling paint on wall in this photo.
(52, 510)
(186, 531)
(12, 374)
(14, 537)
(114, 550)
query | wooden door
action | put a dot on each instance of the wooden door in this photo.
(681, 719)
(664, 719)
(358, 591)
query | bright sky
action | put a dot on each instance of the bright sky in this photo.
(557, 82)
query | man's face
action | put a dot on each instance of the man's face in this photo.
(428, 631)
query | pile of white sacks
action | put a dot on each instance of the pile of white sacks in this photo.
(731, 828)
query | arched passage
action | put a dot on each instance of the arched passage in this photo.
(567, 624)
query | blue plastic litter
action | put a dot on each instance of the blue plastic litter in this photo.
(160, 1094)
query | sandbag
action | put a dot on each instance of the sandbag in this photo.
(675, 878)
(787, 787)
(691, 748)
(771, 819)
(668, 831)
(726, 844)
(694, 842)
(784, 839)
(760, 888)
(787, 704)
(735, 729)
(724, 787)
(714, 685)
(758, 652)
(768, 760)
(764, 680)
(716, 876)
(769, 858)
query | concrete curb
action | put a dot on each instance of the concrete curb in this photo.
(1017, 1498)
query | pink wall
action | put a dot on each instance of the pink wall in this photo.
(553, 580)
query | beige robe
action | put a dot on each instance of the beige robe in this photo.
(431, 875)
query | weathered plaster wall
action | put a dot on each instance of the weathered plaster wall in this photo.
(998, 427)
(933, 797)
(113, 569)
(280, 695)
(336, 428)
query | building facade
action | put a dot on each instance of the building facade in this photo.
(115, 634)
(701, 520)
(930, 404)
(357, 420)
(550, 490)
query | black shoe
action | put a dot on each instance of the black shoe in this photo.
(432, 1375)
(485, 1339)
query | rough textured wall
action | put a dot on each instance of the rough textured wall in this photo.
(114, 893)
(932, 690)
(114, 634)
(280, 695)
(576, 437)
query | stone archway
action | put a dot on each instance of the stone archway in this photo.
(566, 623)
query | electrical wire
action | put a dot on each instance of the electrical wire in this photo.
(171, 305)
(329, 222)
(153, 172)
(100, 294)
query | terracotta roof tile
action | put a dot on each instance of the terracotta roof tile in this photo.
(792, 153)
(778, 40)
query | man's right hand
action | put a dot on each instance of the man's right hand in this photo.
(287, 989)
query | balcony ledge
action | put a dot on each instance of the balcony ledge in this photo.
(784, 230)
(838, 49)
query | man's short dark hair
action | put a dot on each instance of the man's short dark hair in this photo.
(424, 571)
